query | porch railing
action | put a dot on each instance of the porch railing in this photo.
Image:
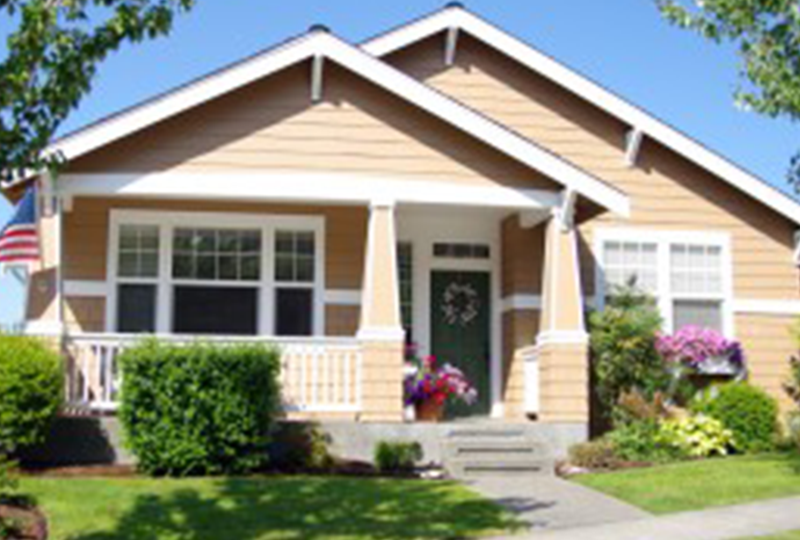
(317, 374)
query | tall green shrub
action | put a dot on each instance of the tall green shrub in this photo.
(199, 409)
(31, 391)
(793, 384)
(749, 412)
(624, 357)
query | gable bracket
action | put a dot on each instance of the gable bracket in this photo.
(633, 142)
(566, 212)
(451, 46)
(317, 65)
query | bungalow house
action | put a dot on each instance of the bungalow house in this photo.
(443, 183)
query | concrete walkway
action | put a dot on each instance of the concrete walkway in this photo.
(552, 503)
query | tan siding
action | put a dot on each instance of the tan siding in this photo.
(271, 125)
(522, 258)
(769, 346)
(520, 328)
(667, 192)
(85, 314)
(341, 320)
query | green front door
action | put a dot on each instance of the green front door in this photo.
(460, 323)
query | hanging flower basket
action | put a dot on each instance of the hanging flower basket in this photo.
(702, 351)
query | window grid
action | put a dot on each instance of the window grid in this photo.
(294, 257)
(454, 250)
(138, 254)
(216, 254)
(631, 262)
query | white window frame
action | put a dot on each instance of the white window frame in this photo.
(168, 221)
(664, 240)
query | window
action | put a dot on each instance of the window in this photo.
(225, 274)
(461, 251)
(137, 278)
(405, 269)
(686, 273)
(294, 277)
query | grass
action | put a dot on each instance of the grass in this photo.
(702, 484)
(794, 535)
(263, 509)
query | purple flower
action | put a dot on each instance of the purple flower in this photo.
(693, 345)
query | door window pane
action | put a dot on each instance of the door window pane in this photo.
(294, 312)
(702, 313)
(136, 309)
(138, 251)
(215, 310)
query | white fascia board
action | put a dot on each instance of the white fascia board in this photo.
(797, 248)
(294, 187)
(590, 91)
(371, 69)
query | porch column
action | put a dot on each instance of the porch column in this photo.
(562, 345)
(380, 330)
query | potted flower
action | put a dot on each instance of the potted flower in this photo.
(428, 388)
(702, 351)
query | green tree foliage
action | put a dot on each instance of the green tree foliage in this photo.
(53, 56)
(199, 409)
(31, 390)
(624, 357)
(767, 34)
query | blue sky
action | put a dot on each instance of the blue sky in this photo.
(623, 44)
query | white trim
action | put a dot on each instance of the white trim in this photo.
(296, 187)
(566, 212)
(633, 143)
(44, 328)
(520, 302)
(797, 248)
(381, 333)
(664, 239)
(591, 92)
(167, 221)
(343, 297)
(317, 77)
(766, 307)
(369, 68)
(451, 46)
(562, 337)
(85, 288)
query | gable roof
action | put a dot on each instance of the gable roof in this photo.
(319, 43)
(455, 16)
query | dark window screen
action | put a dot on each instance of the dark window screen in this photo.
(293, 312)
(216, 310)
(136, 309)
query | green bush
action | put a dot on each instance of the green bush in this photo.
(698, 436)
(392, 456)
(749, 412)
(594, 455)
(299, 446)
(624, 357)
(793, 425)
(644, 442)
(199, 409)
(31, 391)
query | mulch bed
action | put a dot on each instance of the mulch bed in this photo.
(27, 522)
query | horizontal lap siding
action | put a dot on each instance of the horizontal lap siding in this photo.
(271, 125)
(769, 345)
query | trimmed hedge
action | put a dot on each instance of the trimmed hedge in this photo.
(199, 409)
(748, 411)
(31, 391)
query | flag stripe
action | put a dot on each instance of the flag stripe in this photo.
(19, 240)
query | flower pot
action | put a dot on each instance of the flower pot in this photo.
(720, 366)
(429, 411)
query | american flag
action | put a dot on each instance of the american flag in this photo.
(19, 241)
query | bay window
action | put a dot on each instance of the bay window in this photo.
(224, 274)
(688, 274)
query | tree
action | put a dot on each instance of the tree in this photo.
(53, 55)
(767, 34)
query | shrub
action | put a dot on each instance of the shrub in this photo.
(643, 441)
(624, 356)
(199, 409)
(749, 412)
(298, 446)
(31, 391)
(698, 436)
(597, 454)
(394, 456)
(793, 426)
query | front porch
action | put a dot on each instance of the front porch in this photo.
(489, 282)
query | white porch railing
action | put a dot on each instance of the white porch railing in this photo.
(317, 374)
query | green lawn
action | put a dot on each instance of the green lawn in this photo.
(264, 508)
(702, 484)
(794, 535)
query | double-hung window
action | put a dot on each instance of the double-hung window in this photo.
(688, 274)
(221, 274)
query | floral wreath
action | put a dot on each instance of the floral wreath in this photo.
(460, 305)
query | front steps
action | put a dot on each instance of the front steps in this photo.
(496, 451)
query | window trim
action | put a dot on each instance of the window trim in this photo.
(664, 240)
(170, 220)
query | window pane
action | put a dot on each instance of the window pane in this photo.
(305, 269)
(284, 268)
(148, 239)
(696, 269)
(294, 256)
(293, 312)
(183, 266)
(706, 314)
(228, 268)
(128, 265)
(213, 255)
(128, 237)
(148, 264)
(305, 243)
(138, 251)
(228, 241)
(136, 309)
(215, 310)
(206, 267)
(284, 242)
(631, 262)
(206, 241)
(250, 268)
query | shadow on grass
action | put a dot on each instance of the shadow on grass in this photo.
(308, 509)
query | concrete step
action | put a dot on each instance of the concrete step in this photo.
(495, 451)
(507, 466)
